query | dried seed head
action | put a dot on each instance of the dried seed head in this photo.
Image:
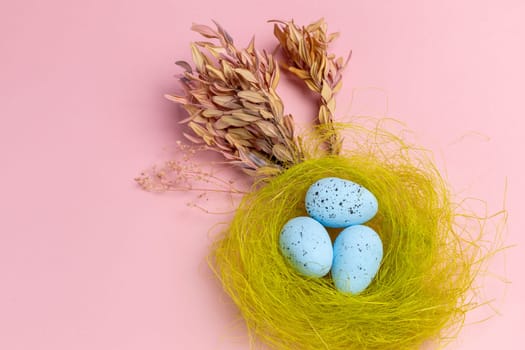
(232, 104)
(308, 59)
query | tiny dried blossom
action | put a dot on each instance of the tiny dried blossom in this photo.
(233, 107)
(185, 174)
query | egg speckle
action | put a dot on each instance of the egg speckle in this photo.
(358, 251)
(338, 203)
(306, 245)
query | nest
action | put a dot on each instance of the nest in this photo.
(420, 293)
(423, 288)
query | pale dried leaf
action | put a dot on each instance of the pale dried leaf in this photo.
(339, 62)
(251, 46)
(176, 99)
(252, 96)
(295, 35)
(229, 155)
(232, 121)
(215, 73)
(217, 52)
(231, 140)
(314, 72)
(193, 77)
(211, 130)
(185, 65)
(241, 133)
(257, 158)
(252, 108)
(276, 76)
(277, 107)
(326, 92)
(217, 91)
(337, 87)
(289, 125)
(316, 25)
(347, 60)
(220, 89)
(263, 145)
(303, 52)
(278, 33)
(311, 85)
(254, 111)
(302, 74)
(197, 129)
(323, 115)
(331, 105)
(235, 141)
(223, 100)
(193, 138)
(204, 30)
(227, 70)
(192, 110)
(234, 105)
(267, 78)
(221, 124)
(198, 58)
(270, 62)
(207, 45)
(268, 128)
(282, 153)
(245, 116)
(198, 119)
(332, 37)
(210, 113)
(224, 34)
(245, 58)
(322, 72)
(265, 114)
(223, 145)
(187, 119)
(202, 99)
(225, 150)
(246, 74)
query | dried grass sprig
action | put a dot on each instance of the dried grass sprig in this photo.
(185, 174)
(307, 51)
(233, 106)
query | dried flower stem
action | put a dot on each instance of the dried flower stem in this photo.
(233, 106)
(183, 174)
(308, 59)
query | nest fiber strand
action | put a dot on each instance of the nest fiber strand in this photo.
(419, 293)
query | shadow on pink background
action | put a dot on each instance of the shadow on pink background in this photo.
(89, 261)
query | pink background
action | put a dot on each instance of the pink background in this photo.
(89, 261)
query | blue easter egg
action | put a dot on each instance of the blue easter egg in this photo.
(306, 245)
(337, 203)
(358, 251)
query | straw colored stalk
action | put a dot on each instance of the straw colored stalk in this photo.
(230, 97)
(308, 59)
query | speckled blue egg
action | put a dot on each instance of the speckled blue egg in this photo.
(335, 202)
(306, 245)
(358, 251)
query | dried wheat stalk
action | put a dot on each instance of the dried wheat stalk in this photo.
(308, 59)
(233, 106)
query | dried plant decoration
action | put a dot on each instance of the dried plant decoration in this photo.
(184, 173)
(233, 106)
(307, 51)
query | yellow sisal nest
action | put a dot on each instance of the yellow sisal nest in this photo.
(421, 291)
(424, 284)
